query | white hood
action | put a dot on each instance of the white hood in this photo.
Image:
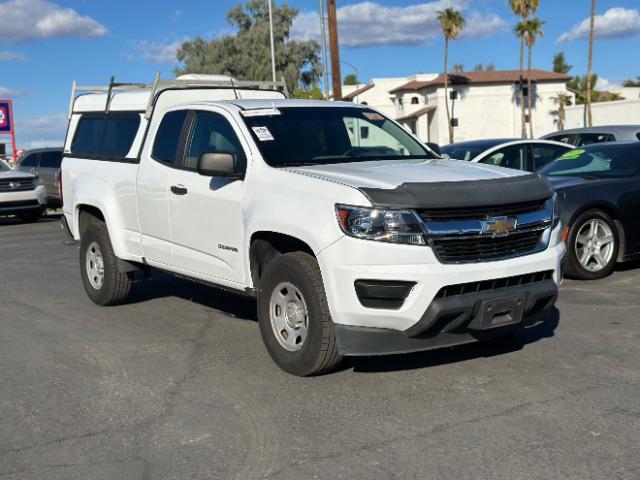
(390, 174)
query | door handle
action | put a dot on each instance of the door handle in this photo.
(178, 190)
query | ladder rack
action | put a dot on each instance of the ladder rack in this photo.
(159, 85)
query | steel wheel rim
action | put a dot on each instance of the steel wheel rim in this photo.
(289, 316)
(95, 265)
(594, 245)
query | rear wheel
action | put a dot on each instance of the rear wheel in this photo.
(294, 318)
(592, 245)
(103, 281)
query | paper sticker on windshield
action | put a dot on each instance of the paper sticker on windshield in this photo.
(260, 112)
(263, 133)
(571, 155)
(373, 116)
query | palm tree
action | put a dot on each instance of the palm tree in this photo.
(562, 100)
(530, 30)
(591, 28)
(452, 23)
(524, 9)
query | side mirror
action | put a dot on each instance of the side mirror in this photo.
(220, 164)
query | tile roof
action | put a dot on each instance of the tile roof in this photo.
(496, 76)
(417, 113)
(357, 92)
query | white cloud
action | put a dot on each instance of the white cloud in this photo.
(615, 23)
(7, 56)
(42, 131)
(25, 20)
(176, 15)
(155, 52)
(368, 23)
(604, 84)
(11, 93)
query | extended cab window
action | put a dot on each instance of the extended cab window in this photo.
(210, 133)
(165, 147)
(107, 136)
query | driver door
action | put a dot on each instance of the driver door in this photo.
(206, 213)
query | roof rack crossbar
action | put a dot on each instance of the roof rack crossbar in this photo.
(160, 85)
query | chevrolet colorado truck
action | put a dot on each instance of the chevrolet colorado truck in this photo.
(355, 238)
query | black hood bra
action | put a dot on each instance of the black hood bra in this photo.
(472, 193)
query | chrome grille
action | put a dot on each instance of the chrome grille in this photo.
(451, 250)
(18, 184)
(480, 234)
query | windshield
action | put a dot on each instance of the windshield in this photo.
(607, 160)
(294, 136)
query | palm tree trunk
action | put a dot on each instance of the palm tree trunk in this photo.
(446, 87)
(530, 95)
(523, 131)
(561, 117)
(591, 28)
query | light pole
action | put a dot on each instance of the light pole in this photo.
(273, 50)
(324, 51)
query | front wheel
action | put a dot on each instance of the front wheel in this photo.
(103, 281)
(294, 318)
(592, 246)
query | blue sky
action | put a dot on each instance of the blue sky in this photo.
(45, 45)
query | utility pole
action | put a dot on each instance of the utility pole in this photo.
(325, 62)
(273, 49)
(332, 17)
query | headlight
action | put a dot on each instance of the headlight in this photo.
(392, 226)
(556, 210)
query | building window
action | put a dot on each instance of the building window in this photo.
(415, 100)
(526, 118)
(454, 122)
(400, 101)
(364, 132)
(525, 91)
(453, 95)
(364, 103)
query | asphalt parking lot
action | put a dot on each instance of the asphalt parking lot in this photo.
(177, 385)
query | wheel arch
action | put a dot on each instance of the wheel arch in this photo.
(266, 245)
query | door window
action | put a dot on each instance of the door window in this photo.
(50, 159)
(590, 138)
(544, 154)
(165, 147)
(30, 161)
(210, 133)
(513, 156)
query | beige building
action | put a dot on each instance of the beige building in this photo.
(483, 104)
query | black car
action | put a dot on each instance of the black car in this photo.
(599, 190)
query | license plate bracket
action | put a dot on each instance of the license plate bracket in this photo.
(501, 312)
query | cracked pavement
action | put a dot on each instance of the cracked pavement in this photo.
(177, 385)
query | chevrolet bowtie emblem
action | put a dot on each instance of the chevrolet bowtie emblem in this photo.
(14, 185)
(499, 226)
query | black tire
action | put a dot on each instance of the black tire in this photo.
(30, 217)
(574, 269)
(319, 353)
(116, 285)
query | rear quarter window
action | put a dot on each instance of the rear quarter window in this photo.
(107, 137)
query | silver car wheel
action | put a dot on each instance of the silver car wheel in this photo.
(289, 316)
(95, 266)
(594, 245)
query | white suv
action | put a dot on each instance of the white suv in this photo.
(21, 194)
(355, 239)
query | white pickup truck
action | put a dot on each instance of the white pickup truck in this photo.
(354, 237)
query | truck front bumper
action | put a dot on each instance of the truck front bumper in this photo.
(357, 274)
(14, 203)
(456, 320)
